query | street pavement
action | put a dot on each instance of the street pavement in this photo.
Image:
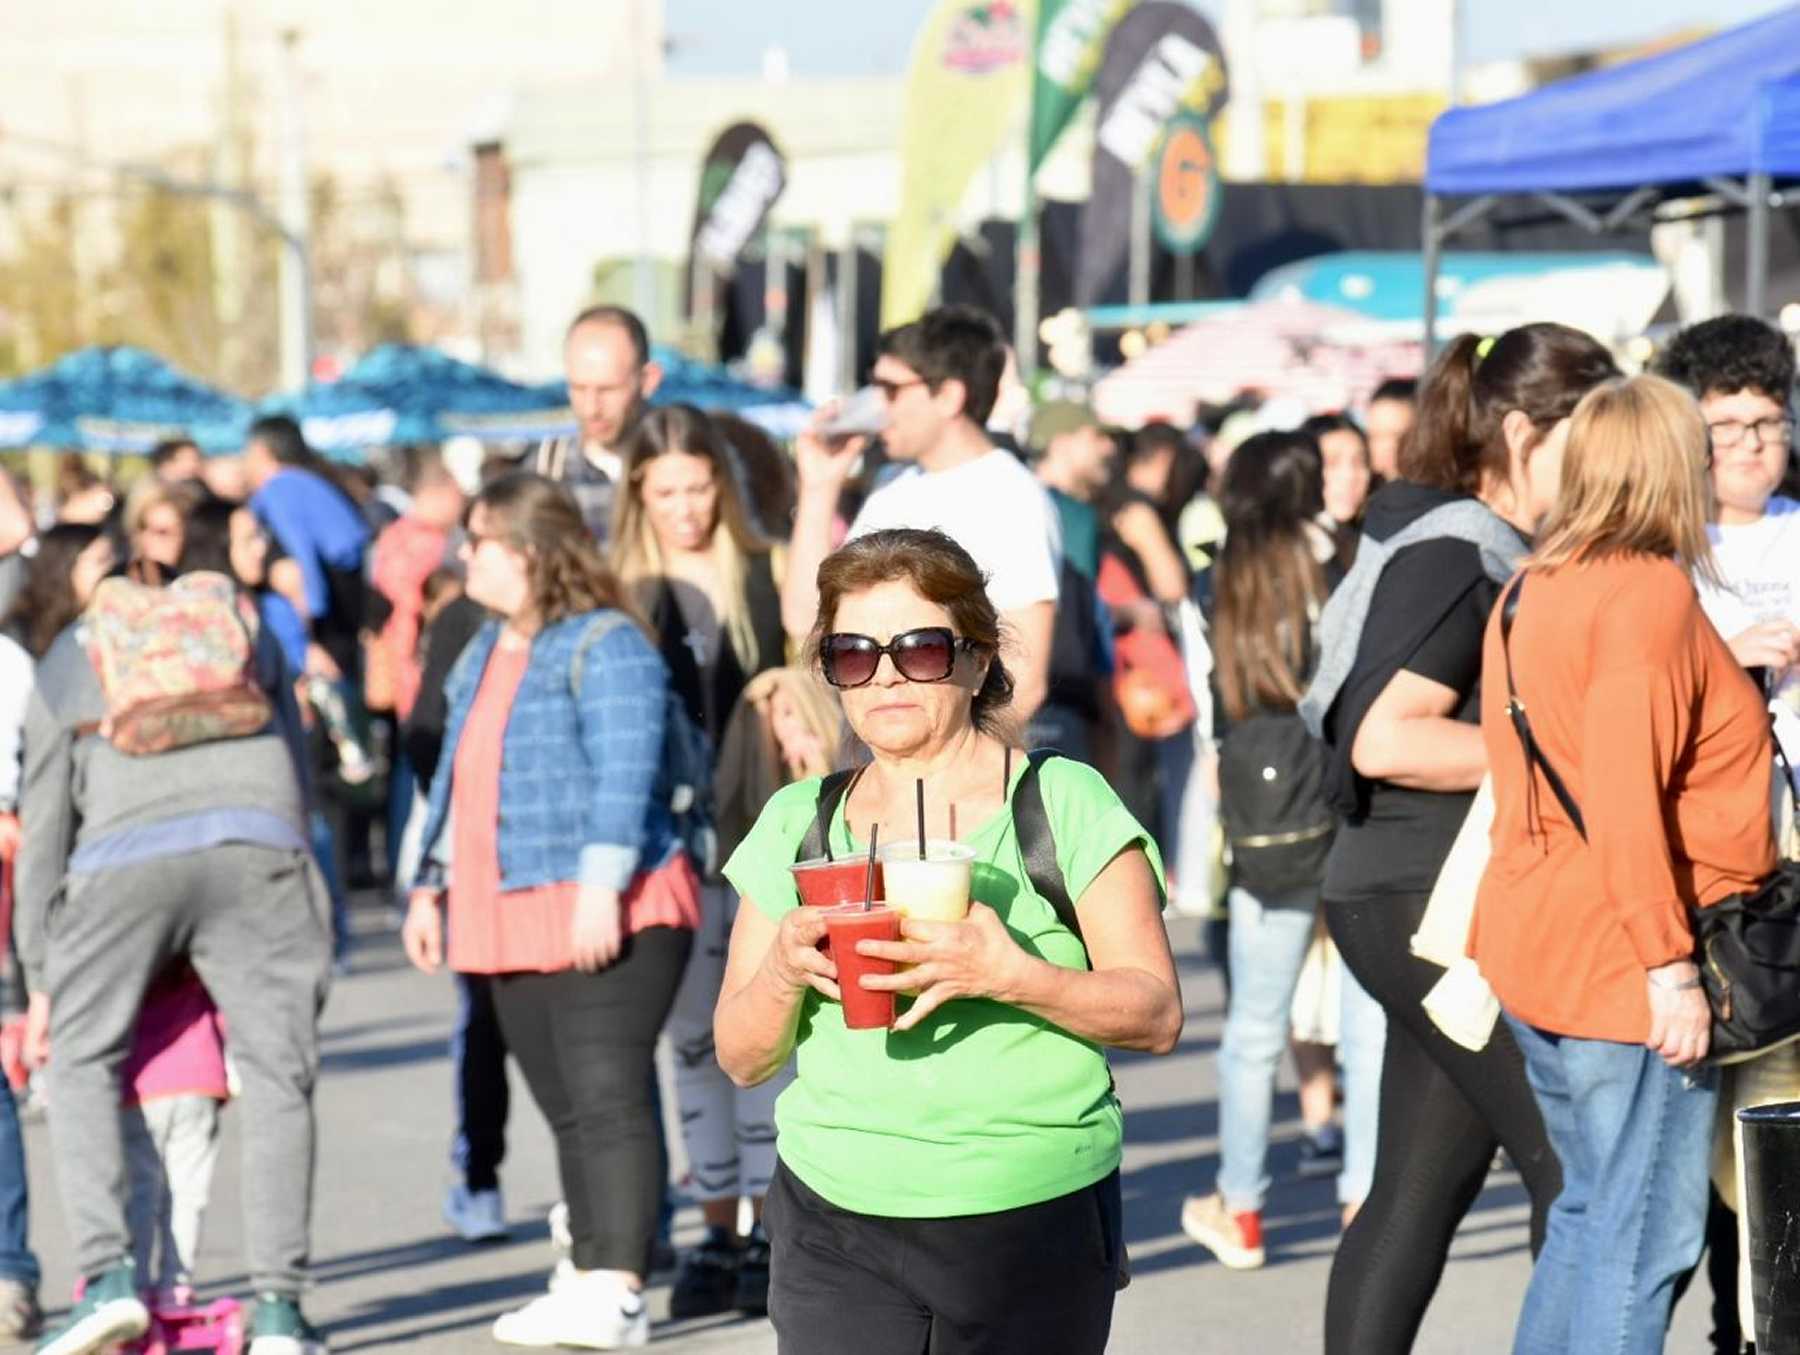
(389, 1278)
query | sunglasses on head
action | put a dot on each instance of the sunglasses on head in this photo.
(924, 655)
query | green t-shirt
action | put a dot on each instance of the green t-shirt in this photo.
(984, 1106)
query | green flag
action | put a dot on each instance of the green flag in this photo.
(1071, 35)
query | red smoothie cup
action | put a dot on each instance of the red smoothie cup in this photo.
(824, 884)
(845, 925)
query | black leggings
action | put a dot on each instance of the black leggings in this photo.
(585, 1043)
(1443, 1112)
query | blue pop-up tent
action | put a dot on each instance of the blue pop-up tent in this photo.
(1719, 117)
(405, 393)
(117, 399)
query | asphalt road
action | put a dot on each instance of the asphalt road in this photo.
(389, 1278)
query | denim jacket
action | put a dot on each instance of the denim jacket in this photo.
(581, 771)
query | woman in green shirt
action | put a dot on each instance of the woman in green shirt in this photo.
(951, 1183)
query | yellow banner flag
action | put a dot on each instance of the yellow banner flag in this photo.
(971, 73)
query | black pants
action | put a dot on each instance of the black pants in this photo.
(1443, 1112)
(1038, 1280)
(585, 1043)
(478, 1054)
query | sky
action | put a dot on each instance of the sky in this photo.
(874, 37)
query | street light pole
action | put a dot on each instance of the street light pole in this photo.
(296, 283)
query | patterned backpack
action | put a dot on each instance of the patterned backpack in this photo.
(176, 664)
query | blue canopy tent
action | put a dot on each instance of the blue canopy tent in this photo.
(404, 393)
(117, 400)
(1718, 117)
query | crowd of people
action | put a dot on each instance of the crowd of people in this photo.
(587, 716)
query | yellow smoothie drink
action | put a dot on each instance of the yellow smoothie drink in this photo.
(936, 888)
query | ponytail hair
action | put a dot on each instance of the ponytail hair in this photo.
(1542, 370)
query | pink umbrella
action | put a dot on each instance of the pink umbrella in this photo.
(1277, 348)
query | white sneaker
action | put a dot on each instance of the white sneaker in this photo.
(587, 1309)
(476, 1215)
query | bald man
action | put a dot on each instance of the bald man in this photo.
(611, 374)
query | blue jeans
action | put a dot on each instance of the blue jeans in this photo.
(1268, 943)
(16, 1259)
(1635, 1139)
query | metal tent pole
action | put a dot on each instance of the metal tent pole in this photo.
(1432, 245)
(1756, 282)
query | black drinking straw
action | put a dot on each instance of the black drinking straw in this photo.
(869, 874)
(919, 786)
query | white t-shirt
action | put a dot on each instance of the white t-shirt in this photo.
(993, 508)
(1760, 563)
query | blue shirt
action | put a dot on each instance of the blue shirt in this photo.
(317, 526)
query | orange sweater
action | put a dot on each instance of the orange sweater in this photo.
(1664, 744)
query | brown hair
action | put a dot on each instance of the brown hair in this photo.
(1541, 370)
(1634, 479)
(47, 602)
(541, 519)
(1268, 584)
(637, 557)
(942, 572)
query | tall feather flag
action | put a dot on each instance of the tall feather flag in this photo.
(970, 75)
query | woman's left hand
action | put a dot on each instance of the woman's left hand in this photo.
(598, 928)
(973, 958)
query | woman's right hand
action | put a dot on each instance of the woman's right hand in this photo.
(423, 931)
(795, 960)
(1680, 1019)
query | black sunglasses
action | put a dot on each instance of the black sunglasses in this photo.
(924, 655)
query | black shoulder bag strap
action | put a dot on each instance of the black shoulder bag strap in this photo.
(1515, 709)
(832, 791)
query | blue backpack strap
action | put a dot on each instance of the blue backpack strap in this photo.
(598, 629)
(1037, 843)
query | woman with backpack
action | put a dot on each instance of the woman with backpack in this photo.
(1268, 588)
(1397, 699)
(684, 546)
(199, 820)
(950, 1183)
(579, 900)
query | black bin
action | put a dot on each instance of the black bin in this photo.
(1771, 1206)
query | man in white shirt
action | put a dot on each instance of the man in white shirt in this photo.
(1741, 370)
(611, 374)
(940, 375)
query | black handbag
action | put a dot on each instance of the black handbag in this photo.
(1747, 946)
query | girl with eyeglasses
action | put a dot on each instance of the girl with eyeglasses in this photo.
(951, 1182)
(683, 544)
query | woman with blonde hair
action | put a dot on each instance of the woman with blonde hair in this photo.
(1630, 760)
(684, 546)
(156, 513)
(786, 727)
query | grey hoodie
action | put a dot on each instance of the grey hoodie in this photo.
(78, 790)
